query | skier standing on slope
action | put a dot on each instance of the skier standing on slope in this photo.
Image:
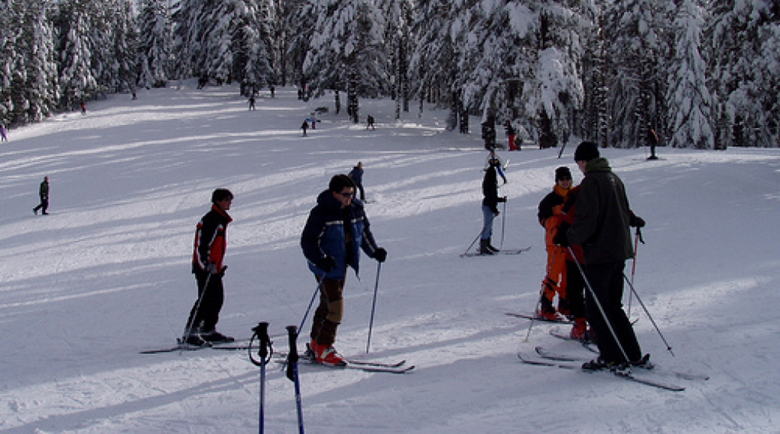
(601, 227)
(335, 232)
(208, 267)
(489, 206)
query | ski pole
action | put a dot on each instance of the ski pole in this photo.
(292, 372)
(541, 293)
(633, 268)
(373, 307)
(598, 304)
(194, 314)
(264, 352)
(503, 227)
(631, 285)
(313, 296)
(472, 243)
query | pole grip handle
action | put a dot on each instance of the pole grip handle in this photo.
(292, 357)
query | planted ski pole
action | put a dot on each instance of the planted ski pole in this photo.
(311, 302)
(473, 242)
(373, 307)
(265, 351)
(598, 304)
(503, 227)
(541, 294)
(292, 372)
(641, 303)
(195, 311)
(633, 265)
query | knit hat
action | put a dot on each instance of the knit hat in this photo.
(562, 172)
(586, 151)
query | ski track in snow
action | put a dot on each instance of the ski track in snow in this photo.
(107, 275)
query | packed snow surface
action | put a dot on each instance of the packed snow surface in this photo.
(107, 275)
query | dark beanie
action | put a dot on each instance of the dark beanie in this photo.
(338, 182)
(586, 151)
(562, 172)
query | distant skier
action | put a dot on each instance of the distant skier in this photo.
(3, 134)
(83, 108)
(208, 267)
(252, 102)
(356, 175)
(370, 122)
(489, 207)
(304, 127)
(511, 135)
(652, 141)
(43, 193)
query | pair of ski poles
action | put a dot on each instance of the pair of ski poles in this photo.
(265, 351)
(373, 306)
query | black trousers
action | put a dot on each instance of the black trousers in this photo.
(607, 283)
(44, 205)
(211, 297)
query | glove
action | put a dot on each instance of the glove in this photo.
(326, 264)
(212, 268)
(560, 238)
(380, 254)
(502, 199)
(636, 221)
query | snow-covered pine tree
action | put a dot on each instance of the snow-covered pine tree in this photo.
(347, 52)
(41, 89)
(739, 35)
(77, 80)
(154, 45)
(398, 37)
(434, 62)
(637, 47)
(688, 98)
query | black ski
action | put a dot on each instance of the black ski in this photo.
(590, 346)
(538, 318)
(389, 368)
(498, 253)
(183, 346)
(549, 355)
(625, 374)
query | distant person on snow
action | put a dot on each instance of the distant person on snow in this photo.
(601, 227)
(252, 102)
(489, 207)
(3, 134)
(511, 135)
(304, 127)
(208, 267)
(356, 175)
(370, 122)
(43, 193)
(335, 232)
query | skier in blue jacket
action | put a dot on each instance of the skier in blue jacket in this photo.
(335, 232)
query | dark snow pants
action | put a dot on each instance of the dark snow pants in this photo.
(330, 311)
(211, 296)
(607, 282)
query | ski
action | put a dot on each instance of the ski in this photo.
(500, 252)
(538, 318)
(183, 346)
(389, 368)
(549, 355)
(590, 346)
(307, 357)
(627, 375)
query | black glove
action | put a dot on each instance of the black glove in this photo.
(380, 254)
(560, 238)
(326, 264)
(636, 221)
(501, 199)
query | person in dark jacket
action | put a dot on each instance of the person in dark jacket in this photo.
(601, 228)
(335, 232)
(43, 193)
(209, 269)
(489, 206)
(357, 177)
